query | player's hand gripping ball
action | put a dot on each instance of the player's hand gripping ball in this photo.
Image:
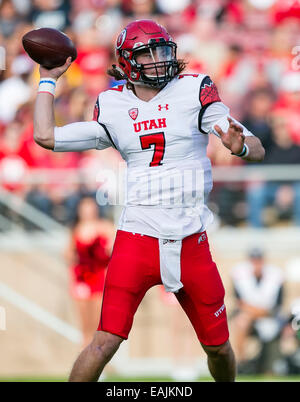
(49, 47)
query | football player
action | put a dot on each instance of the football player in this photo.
(159, 121)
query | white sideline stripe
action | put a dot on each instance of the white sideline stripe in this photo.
(39, 314)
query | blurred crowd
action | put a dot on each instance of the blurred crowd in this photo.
(248, 47)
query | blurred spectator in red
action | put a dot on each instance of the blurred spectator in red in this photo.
(15, 159)
(87, 256)
(208, 47)
(187, 44)
(285, 9)
(93, 55)
(233, 75)
(177, 15)
(24, 117)
(230, 11)
(279, 50)
(231, 62)
(37, 191)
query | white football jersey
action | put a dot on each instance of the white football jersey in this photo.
(163, 142)
(263, 294)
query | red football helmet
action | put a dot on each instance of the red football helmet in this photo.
(146, 54)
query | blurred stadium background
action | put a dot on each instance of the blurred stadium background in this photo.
(251, 49)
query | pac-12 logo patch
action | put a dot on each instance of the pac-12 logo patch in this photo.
(133, 113)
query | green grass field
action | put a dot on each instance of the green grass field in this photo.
(241, 378)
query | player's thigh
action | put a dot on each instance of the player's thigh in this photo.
(134, 262)
(199, 273)
(202, 295)
(133, 269)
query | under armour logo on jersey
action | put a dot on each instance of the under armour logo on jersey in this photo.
(160, 107)
(133, 113)
(202, 237)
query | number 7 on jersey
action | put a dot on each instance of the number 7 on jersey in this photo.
(158, 140)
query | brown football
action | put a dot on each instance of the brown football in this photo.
(48, 47)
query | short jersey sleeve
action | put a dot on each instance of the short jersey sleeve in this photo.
(213, 111)
(208, 94)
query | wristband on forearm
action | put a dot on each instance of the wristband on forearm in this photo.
(47, 85)
(244, 153)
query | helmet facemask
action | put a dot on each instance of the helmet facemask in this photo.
(154, 64)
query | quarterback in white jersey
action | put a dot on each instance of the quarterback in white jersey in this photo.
(159, 121)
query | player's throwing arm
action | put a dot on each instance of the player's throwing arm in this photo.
(54, 51)
(44, 122)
